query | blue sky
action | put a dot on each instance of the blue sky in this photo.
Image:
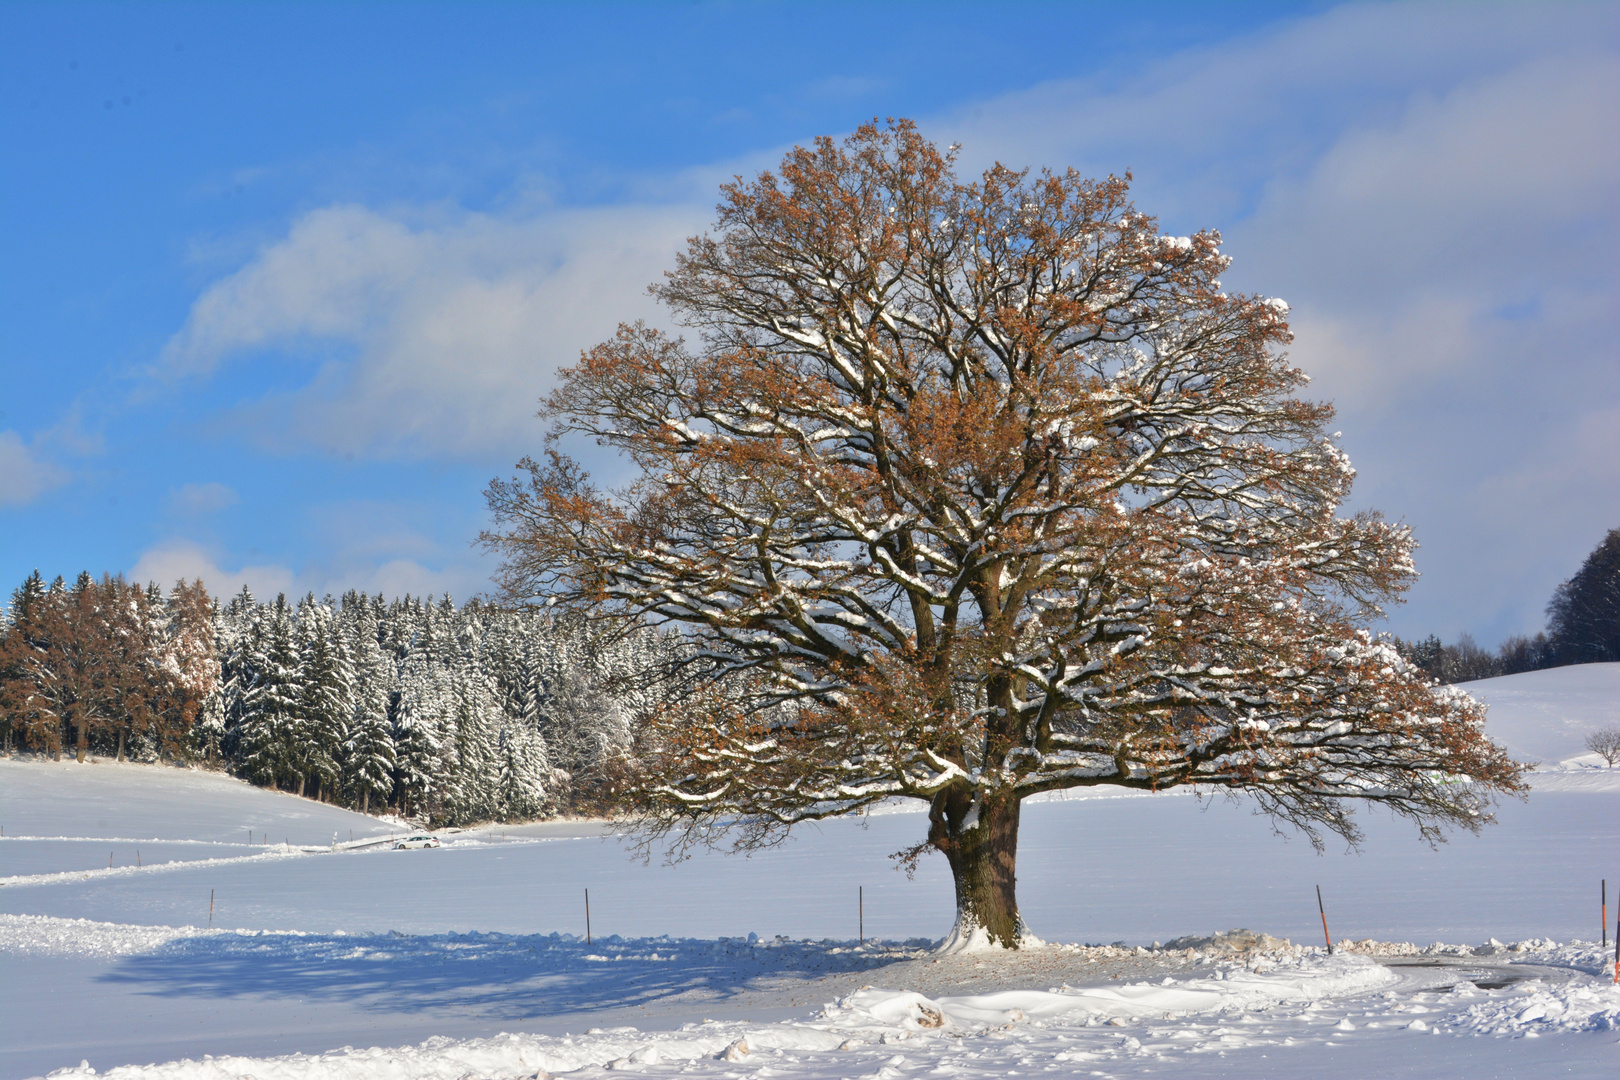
(281, 284)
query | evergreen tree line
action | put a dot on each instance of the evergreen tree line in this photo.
(442, 714)
(1583, 627)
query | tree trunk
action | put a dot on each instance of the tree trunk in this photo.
(120, 744)
(980, 839)
(365, 797)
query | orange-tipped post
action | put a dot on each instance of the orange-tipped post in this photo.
(1323, 910)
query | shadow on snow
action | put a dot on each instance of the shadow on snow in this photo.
(506, 977)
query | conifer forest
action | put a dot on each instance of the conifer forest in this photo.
(437, 713)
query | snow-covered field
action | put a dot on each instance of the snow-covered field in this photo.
(470, 960)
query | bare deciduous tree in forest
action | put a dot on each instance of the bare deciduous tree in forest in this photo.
(107, 658)
(974, 491)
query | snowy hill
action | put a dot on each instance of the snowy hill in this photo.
(155, 802)
(313, 949)
(1545, 716)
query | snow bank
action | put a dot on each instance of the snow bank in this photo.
(1587, 1001)
(1543, 1010)
(1265, 981)
(41, 935)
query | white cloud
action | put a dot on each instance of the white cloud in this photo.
(1202, 126)
(175, 560)
(360, 544)
(1435, 188)
(447, 329)
(195, 500)
(1453, 282)
(1417, 239)
(24, 476)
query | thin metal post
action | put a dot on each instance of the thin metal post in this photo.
(210, 909)
(587, 916)
(862, 901)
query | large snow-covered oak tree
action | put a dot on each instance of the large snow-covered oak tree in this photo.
(974, 491)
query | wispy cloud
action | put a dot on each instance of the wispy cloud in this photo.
(24, 475)
(197, 500)
(438, 335)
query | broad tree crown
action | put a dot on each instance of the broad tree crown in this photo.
(968, 491)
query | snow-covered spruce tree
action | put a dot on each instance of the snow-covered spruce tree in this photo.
(368, 758)
(20, 714)
(326, 695)
(423, 719)
(980, 490)
(472, 759)
(265, 749)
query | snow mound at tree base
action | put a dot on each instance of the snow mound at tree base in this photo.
(968, 936)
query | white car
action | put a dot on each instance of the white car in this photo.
(421, 840)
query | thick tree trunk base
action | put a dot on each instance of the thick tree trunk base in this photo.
(979, 836)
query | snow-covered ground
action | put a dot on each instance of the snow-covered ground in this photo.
(1545, 716)
(431, 957)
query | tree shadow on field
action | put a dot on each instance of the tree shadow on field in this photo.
(504, 977)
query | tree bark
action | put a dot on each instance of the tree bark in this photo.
(979, 837)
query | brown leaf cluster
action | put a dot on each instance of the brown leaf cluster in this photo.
(106, 660)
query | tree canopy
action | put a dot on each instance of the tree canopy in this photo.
(968, 491)
(1583, 617)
